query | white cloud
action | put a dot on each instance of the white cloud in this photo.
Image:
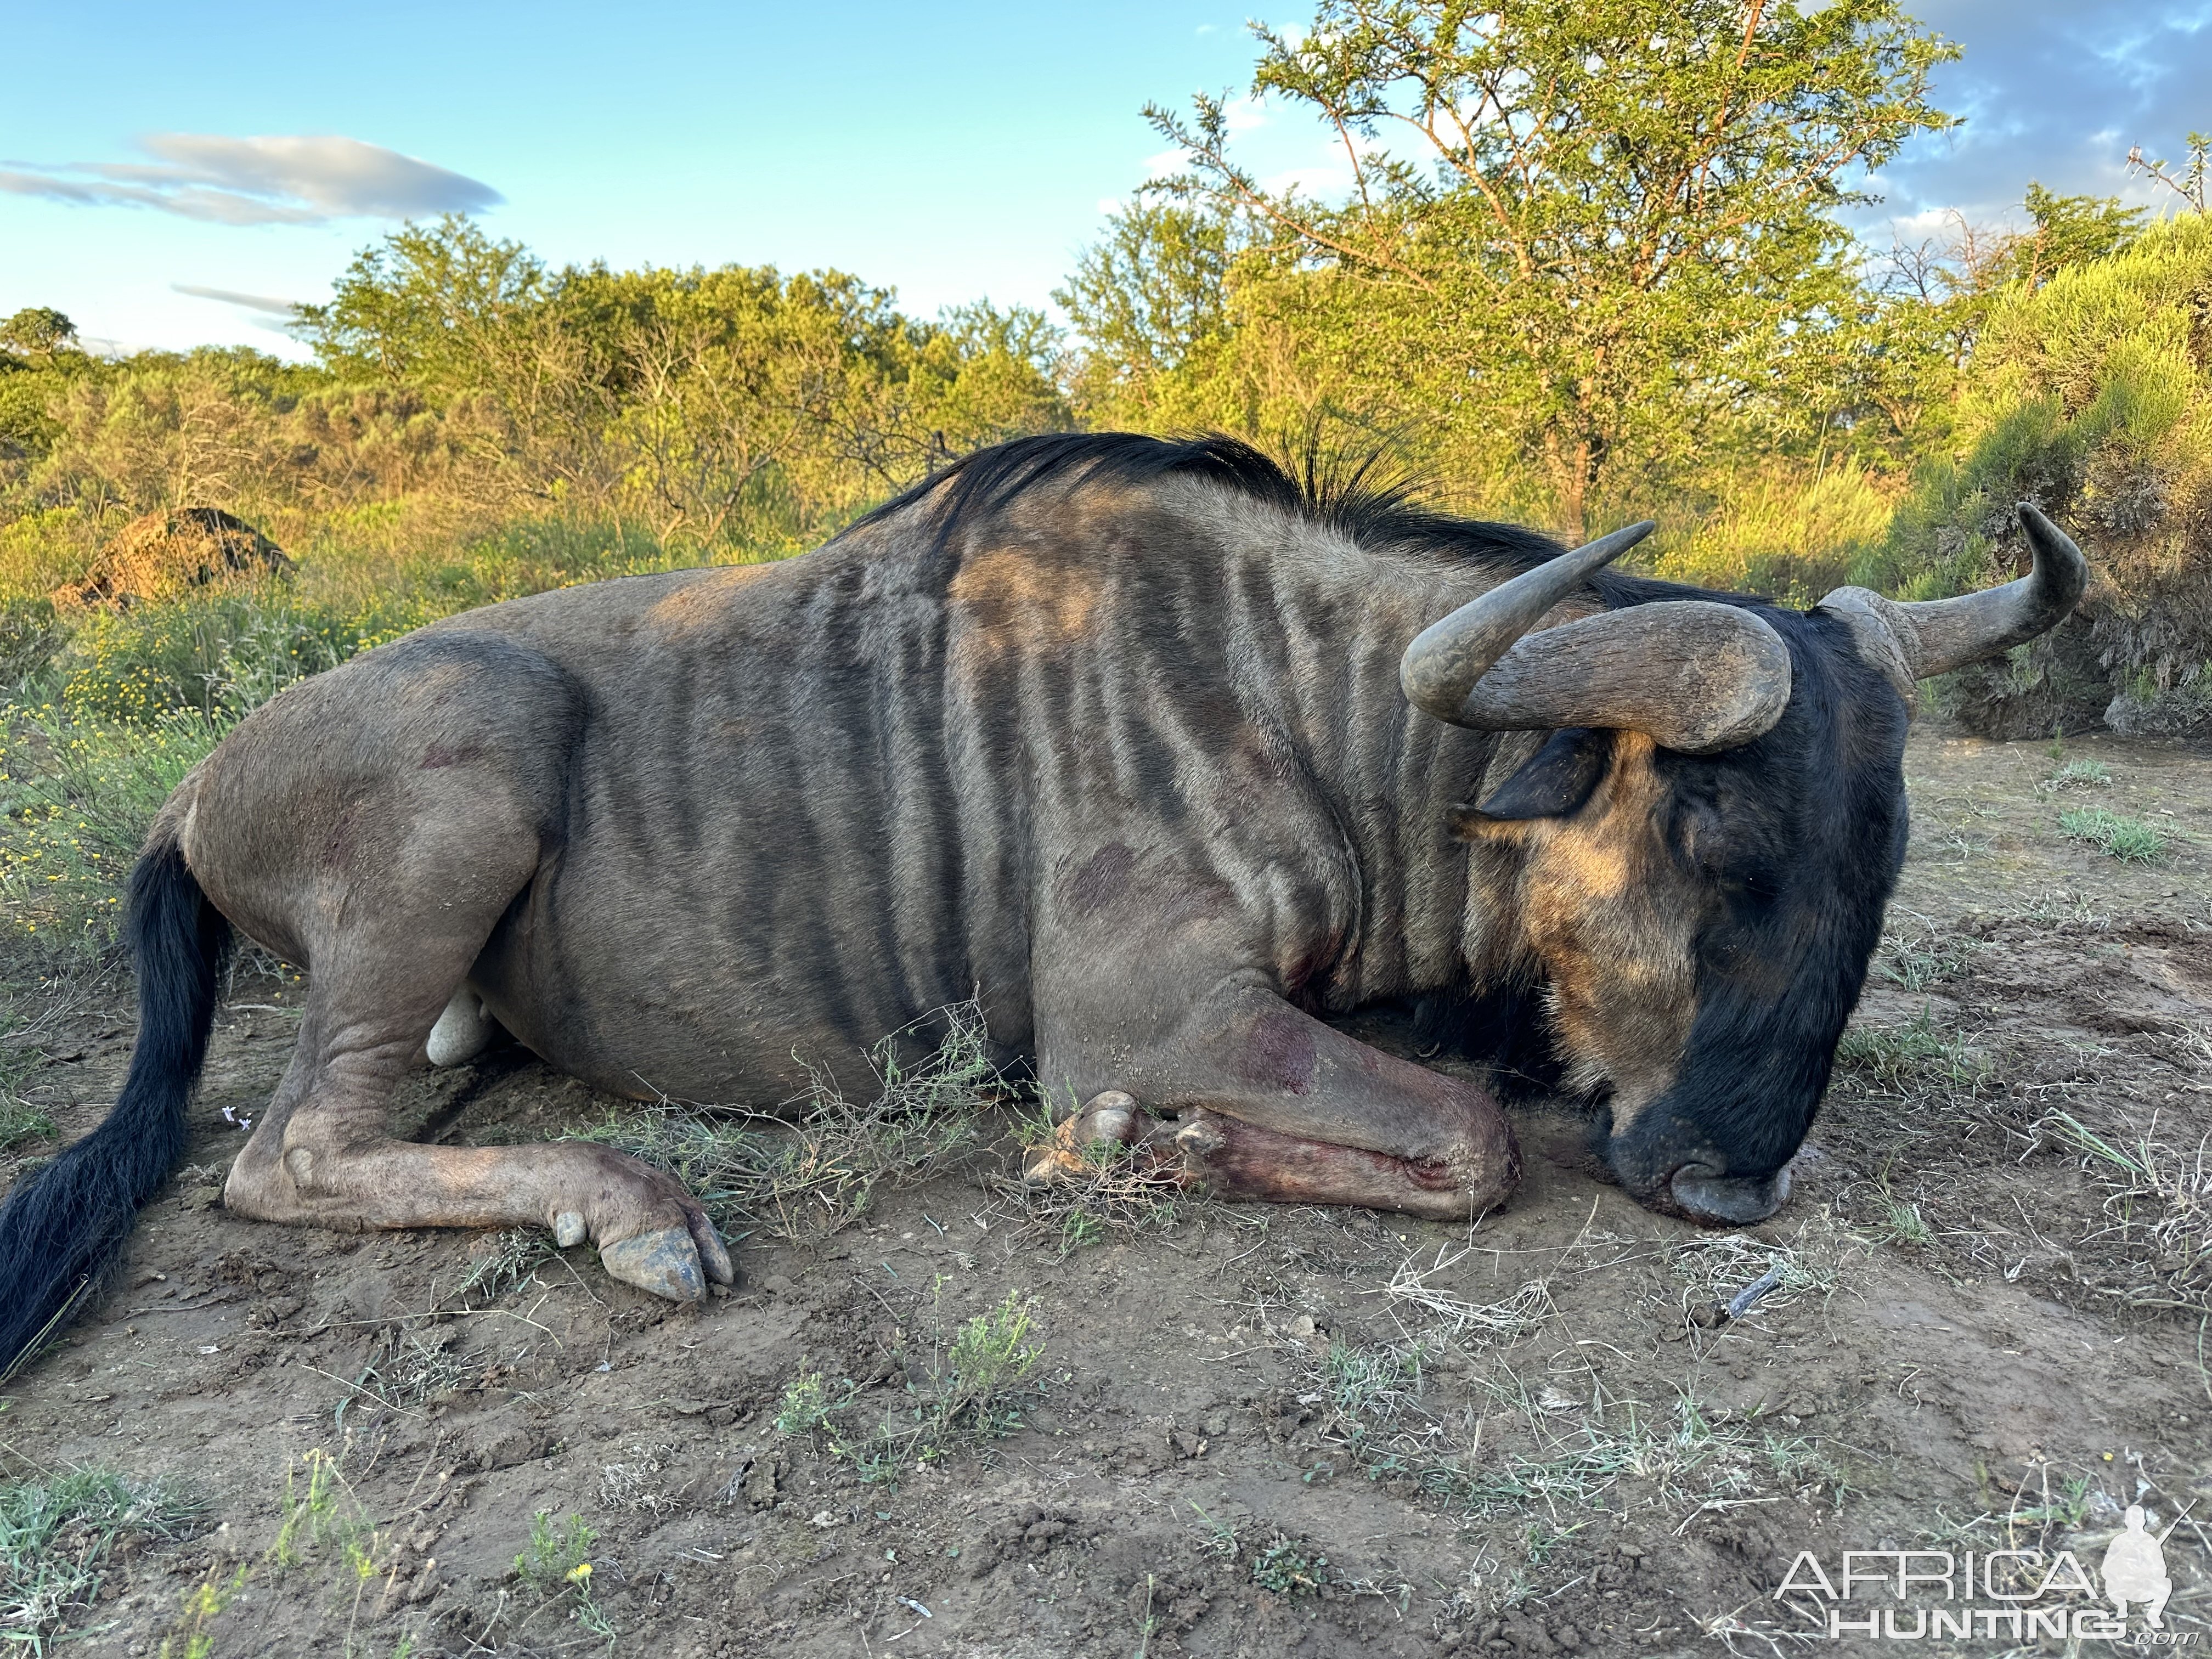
(275, 179)
(261, 302)
(1326, 180)
(2053, 90)
(1244, 114)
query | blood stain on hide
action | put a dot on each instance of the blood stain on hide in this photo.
(1279, 1054)
(1100, 880)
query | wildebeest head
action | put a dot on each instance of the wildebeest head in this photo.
(1697, 859)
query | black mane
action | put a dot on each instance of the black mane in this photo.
(1372, 500)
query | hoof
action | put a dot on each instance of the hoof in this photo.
(1110, 1118)
(1201, 1138)
(568, 1229)
(665, 1263)
(713, 1254)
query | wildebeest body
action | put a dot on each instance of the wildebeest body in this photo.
(790, 808)
(1127, 740)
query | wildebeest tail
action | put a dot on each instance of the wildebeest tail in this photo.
(63, 1224)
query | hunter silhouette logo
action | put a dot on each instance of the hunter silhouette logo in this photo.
(2135, 1568)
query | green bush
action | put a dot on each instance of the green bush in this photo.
(219, 655)
(2091, 395)
(76, 799)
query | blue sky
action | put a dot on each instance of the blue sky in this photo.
(164, 154)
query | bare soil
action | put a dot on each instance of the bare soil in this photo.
(1550, 1438)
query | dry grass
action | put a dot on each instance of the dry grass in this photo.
(1921, 954)
(817, 1167)
(412, 1367)
(2155, 1214)
(1742, 1276)
(1114, 1191)
(972, 1387)
(508, 1263)
(1411, 1290)
(1539, 1456)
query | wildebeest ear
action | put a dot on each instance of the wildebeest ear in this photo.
(1554, 781)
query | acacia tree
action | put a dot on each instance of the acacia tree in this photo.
(1581, 228)
(1144, 298)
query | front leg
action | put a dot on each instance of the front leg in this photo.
(1271, 1103)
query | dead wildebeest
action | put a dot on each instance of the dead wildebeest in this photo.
(1169, 757)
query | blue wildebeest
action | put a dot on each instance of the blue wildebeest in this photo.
(1171, 757)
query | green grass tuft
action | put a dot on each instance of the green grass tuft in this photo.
(2129, 840)
(1915, 1058)
(970, 1392)
(58, 1536)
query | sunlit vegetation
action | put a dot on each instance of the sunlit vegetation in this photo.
(1535, 328)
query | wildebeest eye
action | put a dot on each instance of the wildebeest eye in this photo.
(1697, 829)
(1555, 781)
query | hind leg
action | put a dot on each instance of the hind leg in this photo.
(321, 1152)
(382, 859)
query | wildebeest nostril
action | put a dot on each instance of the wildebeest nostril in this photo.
(1709, 1195)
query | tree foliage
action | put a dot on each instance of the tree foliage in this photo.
(1584, 238)
(2091, 394)
(461, 380)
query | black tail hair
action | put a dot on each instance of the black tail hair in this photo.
(65, 1223)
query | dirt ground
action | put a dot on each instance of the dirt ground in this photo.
(1252, 1430)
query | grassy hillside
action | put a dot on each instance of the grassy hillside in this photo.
(2091, 395)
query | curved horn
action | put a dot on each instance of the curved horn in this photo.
(1915, 640)
(1696, 675)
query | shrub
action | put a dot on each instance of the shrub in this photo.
(1781, 533)
(2091, 395)
(218, 656)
